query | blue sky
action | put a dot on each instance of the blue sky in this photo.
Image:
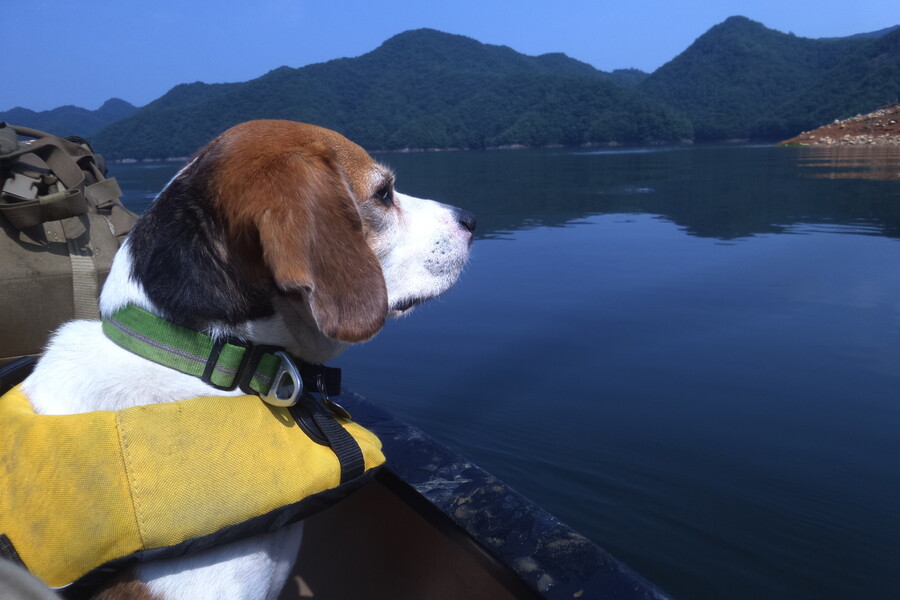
(83, 52)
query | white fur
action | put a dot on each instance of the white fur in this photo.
(425, 253)
(254, 568)
(81, 370)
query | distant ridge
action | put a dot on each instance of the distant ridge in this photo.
(871, 34)
(743, 80)
(425, 89)
(866, 78)
(420, 89)
(70, 120)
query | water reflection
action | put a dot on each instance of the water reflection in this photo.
(852, 162)
(727, 193)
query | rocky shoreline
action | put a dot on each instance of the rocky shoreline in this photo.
(878, 128)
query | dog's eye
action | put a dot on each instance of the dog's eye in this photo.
(385, 195)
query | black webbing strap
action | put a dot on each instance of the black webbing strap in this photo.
(8, 551)
(344, 446)
(312, 374)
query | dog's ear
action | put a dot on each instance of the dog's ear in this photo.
(312, 240)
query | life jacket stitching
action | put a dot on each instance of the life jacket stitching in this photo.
(133, 492)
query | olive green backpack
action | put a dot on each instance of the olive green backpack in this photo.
(62, 223)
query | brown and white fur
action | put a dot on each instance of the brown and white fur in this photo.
(276, 232)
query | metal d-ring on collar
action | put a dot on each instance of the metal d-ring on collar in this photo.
(287, 383)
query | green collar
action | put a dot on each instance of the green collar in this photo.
(225, 363)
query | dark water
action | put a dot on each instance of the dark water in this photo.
(691, 355)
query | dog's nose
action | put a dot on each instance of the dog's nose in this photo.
(465, 218)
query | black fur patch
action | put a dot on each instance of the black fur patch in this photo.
(183, 259)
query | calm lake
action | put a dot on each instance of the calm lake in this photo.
(691, 355)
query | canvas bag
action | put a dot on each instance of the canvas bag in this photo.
(62, 223)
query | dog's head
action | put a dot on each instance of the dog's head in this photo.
(283, 218)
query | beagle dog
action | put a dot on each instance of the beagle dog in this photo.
(276, 233)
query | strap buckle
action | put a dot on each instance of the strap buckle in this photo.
(213, 360)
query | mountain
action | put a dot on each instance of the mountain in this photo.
(427, 89)
(420, 89)
(866, 78)
(542, 110)
(739, 72)
(876, 34)
(741, 79)
(628, 76)
(70, 120)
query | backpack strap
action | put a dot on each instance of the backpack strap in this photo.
(9, 141)
(61, 156)
(60, 183)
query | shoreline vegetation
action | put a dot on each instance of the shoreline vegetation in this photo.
(878, 128)
(586, 146)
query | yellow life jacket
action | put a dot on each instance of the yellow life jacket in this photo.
(81, 491)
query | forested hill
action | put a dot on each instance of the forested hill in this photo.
(70, 120)
(741, 79)
(420, 89)
(426, 89)
(867, 78)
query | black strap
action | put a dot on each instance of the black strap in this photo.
(342, 443)
(313, 373)
(8, 551)
(326, 430)
(13, 373)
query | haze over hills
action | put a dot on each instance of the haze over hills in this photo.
(427, 89)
